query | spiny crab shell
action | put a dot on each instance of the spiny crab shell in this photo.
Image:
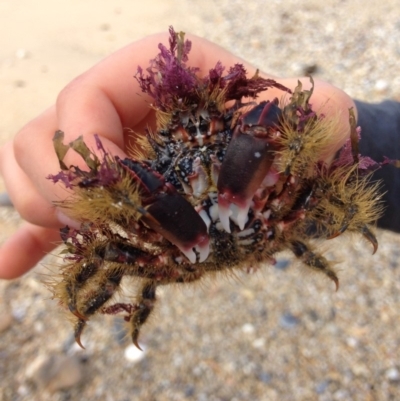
(215, 188)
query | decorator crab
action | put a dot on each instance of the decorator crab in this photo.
(223, 184)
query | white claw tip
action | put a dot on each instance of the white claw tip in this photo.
(224, 214)
(242, 217)
(190, 254)
(203, 248)
(239, 214)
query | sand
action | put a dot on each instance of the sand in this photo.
(279, 334)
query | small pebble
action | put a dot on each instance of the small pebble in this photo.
(133, 354)
(22, 53)
(341, 395)
(352, 342)
(6, 319)
(265, 377)
(23, 390)
(248, 328)
(321, 386)
(55, 372)
(297, 68)
(19, 83)
(38, 327)
(282, 264)
(259, 343)
(190, 391)
(288, 321)
(381, 85)
(310, 69)
(19, 313)
(360, 370)
(313, 315)
(105, 27)
(393, 375)
(5, 200)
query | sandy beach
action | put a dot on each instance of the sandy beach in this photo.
(279, 334)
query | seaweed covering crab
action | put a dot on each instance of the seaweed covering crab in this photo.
(224, 183)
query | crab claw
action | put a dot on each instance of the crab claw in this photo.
(248, 160)
(368, 235)
(246, 163)
(135, 339)
(233, 208)
(80, 325)
(175, 219)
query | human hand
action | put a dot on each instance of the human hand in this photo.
(104, 101)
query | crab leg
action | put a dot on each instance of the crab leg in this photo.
(107, 286)
(313, 260)
(143, 309)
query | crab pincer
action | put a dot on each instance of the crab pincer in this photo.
(170, 214)
(175, 219)
(247, 162)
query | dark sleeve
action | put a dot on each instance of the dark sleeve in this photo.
(380, 136)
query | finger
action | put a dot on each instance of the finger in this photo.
(30, 204)
(25, 249)
(34, 153)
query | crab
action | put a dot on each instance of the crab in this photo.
(224, 184)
